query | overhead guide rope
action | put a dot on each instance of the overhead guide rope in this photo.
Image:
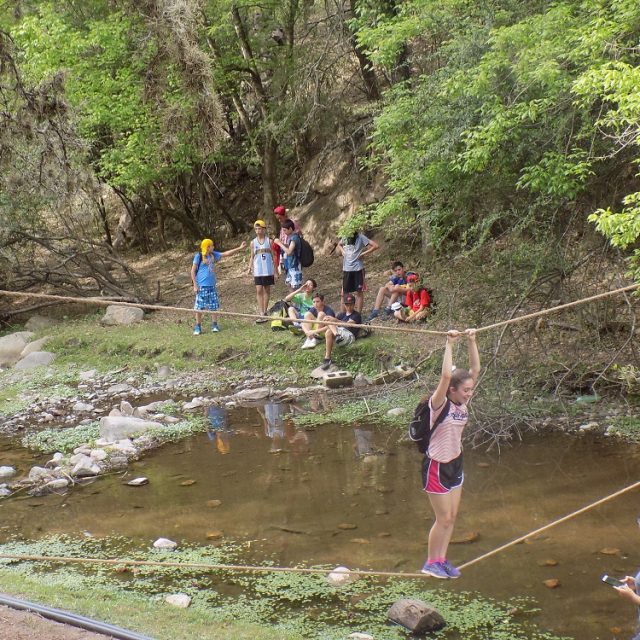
(352, 325)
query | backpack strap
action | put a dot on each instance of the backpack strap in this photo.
(441, 416)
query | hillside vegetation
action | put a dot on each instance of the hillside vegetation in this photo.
(492, 138)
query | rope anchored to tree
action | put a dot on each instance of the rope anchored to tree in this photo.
(201, 566)
(253, 316)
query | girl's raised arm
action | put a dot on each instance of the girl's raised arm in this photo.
(474, 356)
(440, 394)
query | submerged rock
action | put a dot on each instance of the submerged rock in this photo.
(138, 482)
(165, 543)
(58, 483)
(417, 616)
(341, 576)
(7, 472)
(38, 474)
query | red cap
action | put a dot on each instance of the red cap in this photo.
(280, 210)
(412, 277)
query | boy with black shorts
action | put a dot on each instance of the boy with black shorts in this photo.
(353, 249)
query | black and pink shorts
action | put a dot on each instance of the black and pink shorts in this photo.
(442, 477)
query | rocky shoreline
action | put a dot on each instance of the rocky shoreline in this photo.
(125, 432)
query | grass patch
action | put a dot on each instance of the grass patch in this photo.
(283, 606)
(366, 409)
(179, 430)
(240, 345)
(63, 440)
(627, 427)
(67, 439)
(18, 390)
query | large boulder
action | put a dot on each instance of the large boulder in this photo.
(38, 323)
(36, 345)
(416, 615)
(119, 315)
(114, 428)
(11, 346)
(253, 395)
(36, 359)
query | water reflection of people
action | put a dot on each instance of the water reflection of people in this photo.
(363, 445)
(630, 590)
(299, 441)
(218, 431)
(272, 414)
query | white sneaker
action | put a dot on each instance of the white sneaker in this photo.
(309, 343)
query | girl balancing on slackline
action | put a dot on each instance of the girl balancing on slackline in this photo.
(442, 474)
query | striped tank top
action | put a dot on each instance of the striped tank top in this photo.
(446, 442)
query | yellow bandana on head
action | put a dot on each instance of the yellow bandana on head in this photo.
(204, 246)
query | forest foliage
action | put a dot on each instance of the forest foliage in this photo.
(483, 117)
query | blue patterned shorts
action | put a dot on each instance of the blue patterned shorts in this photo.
(294, 277)
(207, 299)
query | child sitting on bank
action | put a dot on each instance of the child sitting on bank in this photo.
(417, 303)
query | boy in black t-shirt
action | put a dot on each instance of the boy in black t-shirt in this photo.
(342, 336)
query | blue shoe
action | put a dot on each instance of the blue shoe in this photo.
(436, 569)
(198, 330)
(215, 328)
(453, 572)
(374, 314)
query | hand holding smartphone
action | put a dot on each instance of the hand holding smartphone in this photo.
(614, 582)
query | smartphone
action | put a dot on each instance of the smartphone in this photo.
(614, 582)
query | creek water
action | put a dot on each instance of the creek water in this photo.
(290, 490)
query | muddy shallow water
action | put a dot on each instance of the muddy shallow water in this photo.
(289, 490)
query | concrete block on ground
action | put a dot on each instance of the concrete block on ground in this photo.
(337, 379)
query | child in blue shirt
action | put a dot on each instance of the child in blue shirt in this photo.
(203, 276)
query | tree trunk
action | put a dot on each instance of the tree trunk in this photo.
(366, 66)
(102, 210)
(269, 173)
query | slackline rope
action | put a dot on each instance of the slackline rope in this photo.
(267, 569)
(253, 316)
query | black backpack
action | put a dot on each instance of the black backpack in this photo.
(419, 428)
(305, 254)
